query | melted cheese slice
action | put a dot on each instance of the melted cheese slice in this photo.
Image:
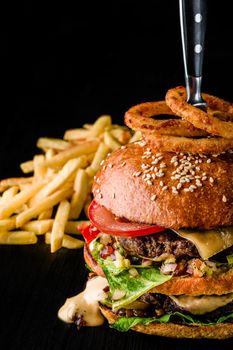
(211, 242)
(203, 304)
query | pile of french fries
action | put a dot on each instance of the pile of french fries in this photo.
(56, 188)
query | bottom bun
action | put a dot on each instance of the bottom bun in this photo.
(172, 330)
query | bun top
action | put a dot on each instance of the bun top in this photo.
(173, 190)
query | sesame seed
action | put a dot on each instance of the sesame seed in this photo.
(186, 190)
(211, 180)
(224, 199)
(98, 190)
(122, 164)
(204, 178)
(164, 188)
(149, 182)
(161, 183)
(179, 186)
(113, 195)
(110, 165)
(123, 147)
(98, 180)
(100, 195)
(153, 197)
(102, 162)
(208, 160)
(104, 167)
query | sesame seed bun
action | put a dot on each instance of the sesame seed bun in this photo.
(167, 189)
(218, 331)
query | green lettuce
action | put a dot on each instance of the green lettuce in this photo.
(123, 324)
(119, 278)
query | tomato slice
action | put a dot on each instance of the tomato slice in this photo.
(107, 222)
(88, 231)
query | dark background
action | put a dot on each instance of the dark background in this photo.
(63, 65)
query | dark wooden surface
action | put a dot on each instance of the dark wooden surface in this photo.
(61, 66)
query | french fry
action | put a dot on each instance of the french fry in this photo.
(47, 214)
(59, 225)
(14, 181)
(67, 241)
(39, 169)
(72, 226)
(100, 124)
(8, 194)
(27, 167)
(63, 175)
(39, 227)
(77, 134)
(18, 237)
(100, 155)
(43, 205)
(52, 143)
(49, 154)
(121, 134)
(136, 137)
(19, 199)
(81, 190)
(110, 141)
(7, 224)
(73, 152)
(87, 126)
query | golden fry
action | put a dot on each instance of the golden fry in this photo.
(81, 190)
(7, 224)
(18, 237)
(18, 200)
(76, 134)
(100, 124)
(73, 152)
(47, 214)
(8, 194)
(57, 144)
(59, 224)
(71, 226)
(14, 181)
(67, 241)
(43, 205)
(110, 141)
(63, 175)
(39, 227)
(39, 169)
(100, 155)
(27, 167)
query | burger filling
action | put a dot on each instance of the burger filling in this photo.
(135, 265)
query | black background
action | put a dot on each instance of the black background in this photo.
(64, 64)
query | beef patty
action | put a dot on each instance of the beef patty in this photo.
(153, 246)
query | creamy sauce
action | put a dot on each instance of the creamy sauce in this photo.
(203, 304)
(86, 303)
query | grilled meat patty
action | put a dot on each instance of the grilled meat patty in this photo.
(153, 246)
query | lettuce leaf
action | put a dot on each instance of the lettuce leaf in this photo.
(119, 278)
(123, 324)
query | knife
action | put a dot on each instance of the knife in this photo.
(193, 28)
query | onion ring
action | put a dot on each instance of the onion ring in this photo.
(212, 145)
(208, 121)
(139, 118)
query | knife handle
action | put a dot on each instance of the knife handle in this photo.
(193, 28)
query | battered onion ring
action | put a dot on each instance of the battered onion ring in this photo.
(176, 100)
(212, 145)
(139, 118)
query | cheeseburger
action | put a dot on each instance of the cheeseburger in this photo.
(160, 243)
